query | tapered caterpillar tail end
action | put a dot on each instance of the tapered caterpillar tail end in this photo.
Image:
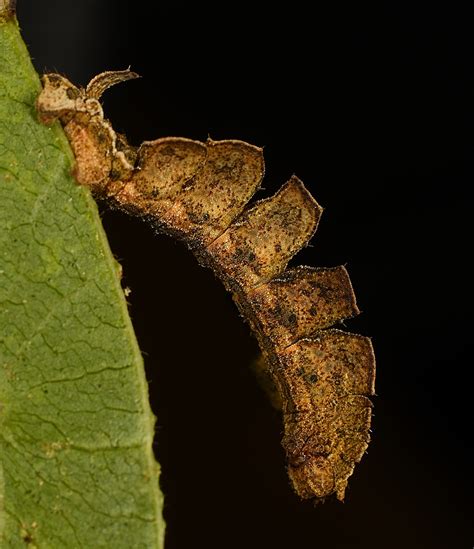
(327, 417)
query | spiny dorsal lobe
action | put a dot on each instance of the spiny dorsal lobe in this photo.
(258, 246)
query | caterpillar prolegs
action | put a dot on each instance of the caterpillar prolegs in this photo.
(199, 192)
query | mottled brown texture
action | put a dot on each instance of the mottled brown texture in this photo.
(163, 167)
(198, 192)
(193, 189)
(300, 302)
(91, 150)
(259, 244)
(327, 414)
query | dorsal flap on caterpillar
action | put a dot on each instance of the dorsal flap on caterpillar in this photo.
(217, 195)
(195, 189)
(342, 362)
(164, 166)
(301, 301)
(260, 243)
(327, 413)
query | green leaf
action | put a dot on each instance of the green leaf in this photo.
(76, 430)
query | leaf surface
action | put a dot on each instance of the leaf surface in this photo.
(76, 429)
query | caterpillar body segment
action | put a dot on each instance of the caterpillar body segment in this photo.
(300, 302)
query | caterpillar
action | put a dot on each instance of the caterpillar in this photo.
(199, 192)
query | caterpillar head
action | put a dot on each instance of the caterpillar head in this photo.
(59, 99)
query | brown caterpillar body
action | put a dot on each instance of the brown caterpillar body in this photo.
(199, 192)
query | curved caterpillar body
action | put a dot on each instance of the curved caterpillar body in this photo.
(199, 192)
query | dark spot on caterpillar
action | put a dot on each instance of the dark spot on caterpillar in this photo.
(188, 185)
(199, 192)
(292, 319)
(73, 93)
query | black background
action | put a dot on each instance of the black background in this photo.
(374, 111)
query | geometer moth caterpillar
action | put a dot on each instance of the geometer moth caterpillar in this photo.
(198, 192)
